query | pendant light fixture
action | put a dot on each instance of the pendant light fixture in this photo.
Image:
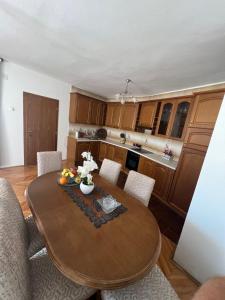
(124, 96)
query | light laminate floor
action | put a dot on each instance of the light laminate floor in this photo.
(185, 287)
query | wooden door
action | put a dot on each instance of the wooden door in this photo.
(40, 116)
(129, 116)
(147, 114)
(205, 110)
(186, 178)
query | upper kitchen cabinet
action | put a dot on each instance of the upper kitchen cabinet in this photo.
(129, 112)
(205, 110)
(113, 115)
(147, 114)
(173, 118)
(86, 110)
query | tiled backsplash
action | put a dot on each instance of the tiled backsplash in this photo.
(157, 144)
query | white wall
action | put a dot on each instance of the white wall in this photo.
(14, 81)
(201, 249)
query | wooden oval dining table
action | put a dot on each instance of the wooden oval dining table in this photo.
(115, 255)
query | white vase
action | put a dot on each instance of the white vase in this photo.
(86, 189)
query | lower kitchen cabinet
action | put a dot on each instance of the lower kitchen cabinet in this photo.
(94, 148)
(102, 151)
(110, 151)
(163, 176)
(81, 147)
(120, 156)
(185, 179)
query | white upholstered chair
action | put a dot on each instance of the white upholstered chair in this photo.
(110, 170)
(139, 186)
(48, 161)
(23, 278)
(154, 286)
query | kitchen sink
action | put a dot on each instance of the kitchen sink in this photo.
(141, 150)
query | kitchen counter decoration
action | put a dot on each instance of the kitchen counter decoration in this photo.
(89, 165)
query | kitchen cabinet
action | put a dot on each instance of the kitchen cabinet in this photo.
(94, 148)
(198, 138)
(110, 151)
(81, 147)
(205, 110)
(185, 179)
(120, 155)
(86, 110)
(163, 177)
(117, 107)
(173, 118)
(102, 151)
(129, 113)
(147, 114)
(109, 114)
(71, 150)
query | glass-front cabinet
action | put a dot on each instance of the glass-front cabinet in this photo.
(173, 118)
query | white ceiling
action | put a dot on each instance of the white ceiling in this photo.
(162, 45)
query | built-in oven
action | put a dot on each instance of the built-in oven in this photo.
(132, 160)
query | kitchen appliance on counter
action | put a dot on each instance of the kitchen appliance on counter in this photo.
(132, 160)
(101, 133)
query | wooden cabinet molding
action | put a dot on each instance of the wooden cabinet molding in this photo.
(163, 177)
(205, 110)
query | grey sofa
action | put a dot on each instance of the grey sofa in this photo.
(22, 277)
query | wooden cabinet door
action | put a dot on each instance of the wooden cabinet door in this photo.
(198, 138)
(180, 118)
(120, 155)
(205, 110)
(129, 116)
(102, 151)
(147, 114)
(116, 115)
(101, 113)
(94, 148)
(165, 118)
(110, 152)
(109, 114)
(81, 147)
(94, 112)
(71, 149)
(163, 177)
(79, 108)
(186, 178)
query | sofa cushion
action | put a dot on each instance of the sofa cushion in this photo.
(48, 283)
(14, 264)
(36, 242)
(154, 286)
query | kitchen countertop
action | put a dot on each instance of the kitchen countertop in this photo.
(172, 164)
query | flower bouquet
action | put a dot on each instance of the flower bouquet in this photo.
(84, 172)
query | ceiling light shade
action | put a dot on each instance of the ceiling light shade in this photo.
(124, 96)
(1, 59)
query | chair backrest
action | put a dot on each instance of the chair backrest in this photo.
(14, 263)
(110, 170)
(140, 186)
(48, 161)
